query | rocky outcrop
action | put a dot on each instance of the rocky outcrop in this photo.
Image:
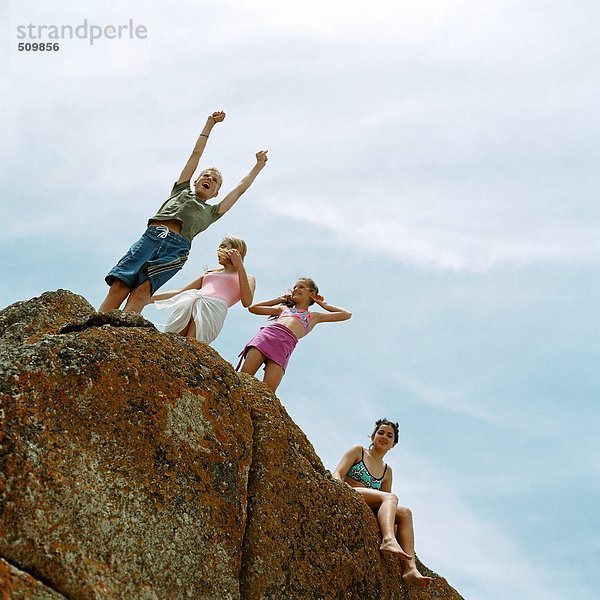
(16, 585)
(135, 464)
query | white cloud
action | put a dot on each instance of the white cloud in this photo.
(478, 556)
(457, 238)
(455, 137)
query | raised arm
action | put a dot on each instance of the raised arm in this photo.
(334, 313)
(244, 184)
(351, 457)
(269, 307)
(194, 159)
(247, 283)
(194, 285)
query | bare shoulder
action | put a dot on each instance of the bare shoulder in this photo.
(356, 451)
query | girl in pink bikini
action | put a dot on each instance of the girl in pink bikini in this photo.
(200, 308)
(273, 344)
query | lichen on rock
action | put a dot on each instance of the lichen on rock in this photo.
(135, 464)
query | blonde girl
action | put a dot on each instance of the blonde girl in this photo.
(199, 309)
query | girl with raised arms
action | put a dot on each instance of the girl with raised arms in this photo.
(273, 344)
(364, 470)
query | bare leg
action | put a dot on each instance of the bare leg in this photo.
(273, 375)
(139, 297)
(252, 361)
(406, 538)
(117, 292)
(386, 504)
(190, 330)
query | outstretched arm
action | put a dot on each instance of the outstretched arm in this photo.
(194, 159)
(244, 184)
(194, 285)
(269, 307)
(334, 313)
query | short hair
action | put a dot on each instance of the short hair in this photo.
(394, 426)
(238, 243)
(217, 173)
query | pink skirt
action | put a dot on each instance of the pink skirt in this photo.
(275, 341)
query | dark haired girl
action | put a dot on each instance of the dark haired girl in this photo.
(364, 470)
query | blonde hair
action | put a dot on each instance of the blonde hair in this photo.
(238, 243)
(217, 173)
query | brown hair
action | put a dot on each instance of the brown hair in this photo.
(310, 284)
(394, 426)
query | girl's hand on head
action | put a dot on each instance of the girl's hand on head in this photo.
(235, 257)
(222, 253)
(285, 298)
(318, 298)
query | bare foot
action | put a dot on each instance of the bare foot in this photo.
(413, 577)
(394, 547)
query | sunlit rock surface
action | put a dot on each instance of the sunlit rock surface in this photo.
(135, 464)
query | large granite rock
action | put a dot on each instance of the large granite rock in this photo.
(17, 585)
(135, 464)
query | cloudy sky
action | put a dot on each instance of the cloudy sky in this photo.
(432, 164)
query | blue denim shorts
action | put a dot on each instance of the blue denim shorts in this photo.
(156, 256)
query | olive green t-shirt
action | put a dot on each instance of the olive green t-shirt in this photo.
(183, 206)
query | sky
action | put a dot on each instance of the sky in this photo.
(433, 165)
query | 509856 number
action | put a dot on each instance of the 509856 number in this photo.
(38, 47)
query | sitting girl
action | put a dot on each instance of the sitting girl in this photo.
(273, 344)
(199, 309)
(358, 468)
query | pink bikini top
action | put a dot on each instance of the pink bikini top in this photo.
(225, 286)
(302, 315)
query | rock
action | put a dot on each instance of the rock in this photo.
(16, 585)
(135, 464)
(41, 315)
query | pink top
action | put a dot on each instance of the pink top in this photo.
(222, 285)
(302, 315)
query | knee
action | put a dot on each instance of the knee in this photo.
(118, 287)
(142, 292)
(403, 512)
(392, 498)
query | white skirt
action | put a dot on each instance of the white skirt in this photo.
(208, 314)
